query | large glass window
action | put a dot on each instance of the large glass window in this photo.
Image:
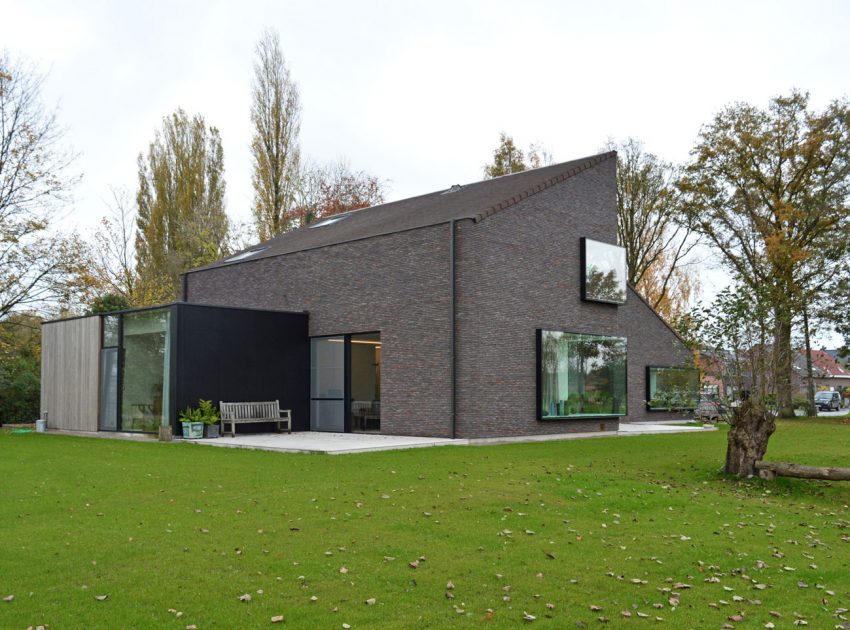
(604, 272)
(145, 372)
(581, 375)
(670, 388)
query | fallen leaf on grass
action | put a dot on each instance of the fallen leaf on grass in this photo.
(277, 618)
(343, 570)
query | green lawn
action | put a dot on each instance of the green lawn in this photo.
(631, 524)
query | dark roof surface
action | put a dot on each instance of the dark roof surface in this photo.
(474, 201)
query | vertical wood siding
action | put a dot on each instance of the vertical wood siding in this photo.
(70, 373)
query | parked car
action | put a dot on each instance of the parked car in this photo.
(828, 401)
(710, 409)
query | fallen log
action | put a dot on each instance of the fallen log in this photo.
(769, 471)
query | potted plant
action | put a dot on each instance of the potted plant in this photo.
(193, 425)
(210, 417)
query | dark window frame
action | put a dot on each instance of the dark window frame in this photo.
(539, 380)
(583, 274)
(678, 368)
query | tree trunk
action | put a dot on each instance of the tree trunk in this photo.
(810, 386)
(750, 429)
(782, 366)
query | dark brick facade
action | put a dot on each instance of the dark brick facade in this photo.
(516, 271)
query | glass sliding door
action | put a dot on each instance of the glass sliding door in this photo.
(145, 370)
(365, 369)
(327, 384)
(345, 383)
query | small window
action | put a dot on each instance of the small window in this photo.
(247, 254)
(329, 221)
(580, 376)
(603, 274)
(672, 388)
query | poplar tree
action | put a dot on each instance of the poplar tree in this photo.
(181, 220)
(275, 152)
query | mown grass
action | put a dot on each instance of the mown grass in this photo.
(613, 523)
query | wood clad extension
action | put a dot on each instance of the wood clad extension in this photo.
(70, 356)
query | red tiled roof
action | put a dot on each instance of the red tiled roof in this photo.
(825, 363)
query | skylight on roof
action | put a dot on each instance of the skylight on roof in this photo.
(329, 220)
(247, 254)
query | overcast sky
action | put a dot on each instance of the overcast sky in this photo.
(417, 93)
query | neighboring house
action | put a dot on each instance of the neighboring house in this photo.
(827, 372)
(496, 308)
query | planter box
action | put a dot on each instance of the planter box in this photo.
(193, 430)
(212, 430)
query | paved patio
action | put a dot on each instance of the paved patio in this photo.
(344, 443)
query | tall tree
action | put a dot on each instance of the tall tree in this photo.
(769, 189)
(508, 158)
(276, 116)
(650, 227)
(181, 219)
(333, 189)
(38, 266)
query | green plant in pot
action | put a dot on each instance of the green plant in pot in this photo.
(196, 419)
(210, 417)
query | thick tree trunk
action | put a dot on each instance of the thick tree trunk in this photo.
(750, 429)
(782, 366)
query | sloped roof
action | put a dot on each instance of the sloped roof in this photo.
(825, 363)
(474, 201)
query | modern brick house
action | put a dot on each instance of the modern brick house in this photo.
(496, 308)
(454, 287)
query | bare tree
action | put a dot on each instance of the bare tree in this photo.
(276, 116)
(38, 267)
(113, 256)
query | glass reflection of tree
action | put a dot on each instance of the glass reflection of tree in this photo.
(551, 343)
(602, 285)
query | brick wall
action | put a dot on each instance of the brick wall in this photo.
(396, 284)
(519, 270)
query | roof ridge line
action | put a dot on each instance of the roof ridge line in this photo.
(507, 203)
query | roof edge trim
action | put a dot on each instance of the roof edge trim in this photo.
(507, 203)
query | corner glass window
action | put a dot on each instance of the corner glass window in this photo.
(580, 375)
(145, 370)
(603, 272)
(672, 388)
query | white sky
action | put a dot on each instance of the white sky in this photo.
(417, 92)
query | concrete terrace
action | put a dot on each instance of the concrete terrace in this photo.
(347, 443)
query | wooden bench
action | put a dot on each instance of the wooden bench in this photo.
(234, 413)
(769, 471)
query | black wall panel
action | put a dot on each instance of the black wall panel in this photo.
(235, 355)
